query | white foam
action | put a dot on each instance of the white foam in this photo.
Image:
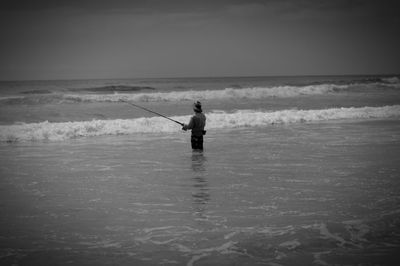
(391, 80)
(221, 94)
(224, 94)
(291, 244)
(228, 93)
(215, 120)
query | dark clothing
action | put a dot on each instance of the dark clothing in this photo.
(197, 142)
(197, 124)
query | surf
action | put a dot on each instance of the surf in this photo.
(216, 120)
(120, 93)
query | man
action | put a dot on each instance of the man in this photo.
(197, 124)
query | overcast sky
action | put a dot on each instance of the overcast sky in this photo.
(66, 39)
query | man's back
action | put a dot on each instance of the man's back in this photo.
(197, 124)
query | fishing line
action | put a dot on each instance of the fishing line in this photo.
(148, 110)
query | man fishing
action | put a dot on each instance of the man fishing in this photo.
(196, 124)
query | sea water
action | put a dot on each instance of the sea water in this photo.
(295, 171)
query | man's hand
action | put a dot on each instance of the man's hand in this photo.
(184, 127)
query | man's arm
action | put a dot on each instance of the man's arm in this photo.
(190, 125)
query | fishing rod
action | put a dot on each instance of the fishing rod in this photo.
(148, 110)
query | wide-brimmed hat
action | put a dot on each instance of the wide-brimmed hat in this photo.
(197, 107)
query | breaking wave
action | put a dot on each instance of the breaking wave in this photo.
(114, 88)
(391, 80)
(215, 120)
(227, 93)
(122, 93)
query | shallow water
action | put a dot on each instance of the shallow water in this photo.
(300, 194)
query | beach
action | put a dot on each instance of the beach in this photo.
(295, 171)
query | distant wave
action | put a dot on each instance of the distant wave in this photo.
(215, 120)
(36, 99)
(391, 80)
(114, 88)
(36, 92)
(227, 93)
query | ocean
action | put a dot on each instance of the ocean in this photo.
(295, 171)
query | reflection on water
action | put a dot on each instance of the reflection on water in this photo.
(200, 195)
(198, 160)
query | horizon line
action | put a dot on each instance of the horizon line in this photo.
(201, 77)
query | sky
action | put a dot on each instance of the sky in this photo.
(67, 39)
